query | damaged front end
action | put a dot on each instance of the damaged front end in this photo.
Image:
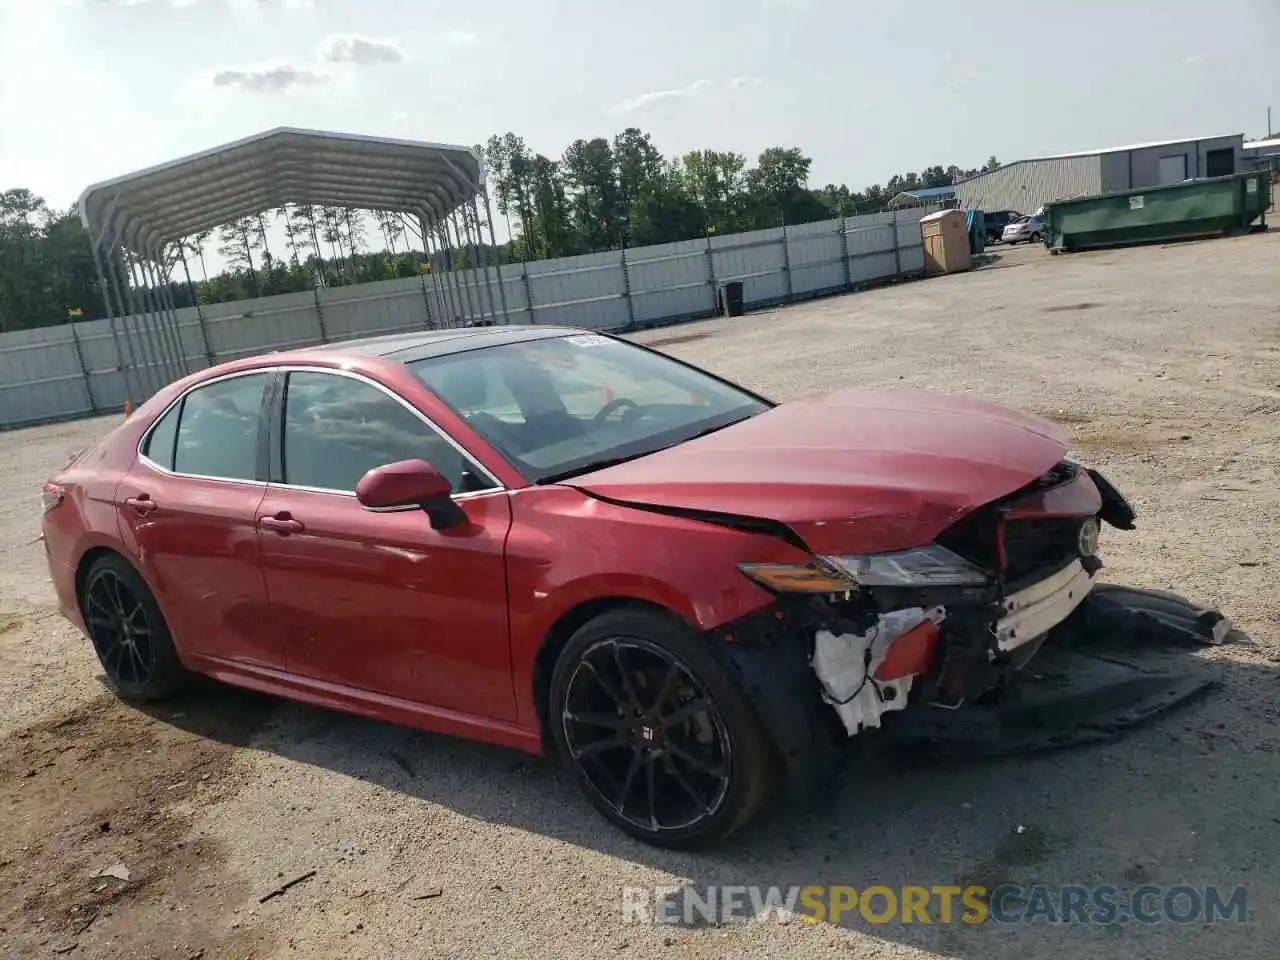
(939, 634)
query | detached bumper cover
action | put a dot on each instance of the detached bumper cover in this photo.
(1120, 658)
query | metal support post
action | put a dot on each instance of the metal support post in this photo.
(84, 368)
(195, 302)
(115, 316)
(493, 244)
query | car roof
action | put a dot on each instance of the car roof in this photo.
(422, 344)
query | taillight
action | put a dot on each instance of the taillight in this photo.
(51, 495)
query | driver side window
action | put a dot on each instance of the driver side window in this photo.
(337, 429)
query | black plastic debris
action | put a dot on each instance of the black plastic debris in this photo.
(1103, 670)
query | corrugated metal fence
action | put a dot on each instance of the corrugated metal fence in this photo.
(79, 369)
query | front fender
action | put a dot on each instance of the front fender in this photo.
(567, 549)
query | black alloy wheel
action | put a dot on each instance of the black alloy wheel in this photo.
(659, 737)
(128, 632)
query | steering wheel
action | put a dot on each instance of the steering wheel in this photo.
(612, 405)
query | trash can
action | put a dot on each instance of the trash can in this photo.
(730, 299)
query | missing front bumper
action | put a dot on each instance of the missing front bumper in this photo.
(1119, 659)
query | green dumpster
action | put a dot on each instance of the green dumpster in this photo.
(1178, 211)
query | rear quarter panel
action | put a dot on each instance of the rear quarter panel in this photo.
(84, 520)
(88, 517)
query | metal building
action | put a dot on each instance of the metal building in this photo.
(1263, 154)
(1026, 185)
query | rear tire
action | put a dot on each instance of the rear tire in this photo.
(129, 633)
(656, 733)
(1035, 238)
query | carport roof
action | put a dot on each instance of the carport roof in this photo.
(147, 210)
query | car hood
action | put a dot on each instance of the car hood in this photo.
(848, 472)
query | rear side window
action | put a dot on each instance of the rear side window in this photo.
(213, 431)
(163, 436)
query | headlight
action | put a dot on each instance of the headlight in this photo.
(930, 566)
(797, 578)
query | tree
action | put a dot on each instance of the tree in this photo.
(664, 211)
(196, 243)
(550, 215)
(512, 166)
(238, 243)
(590, 172)
(717, 183)
(329, 221)
(290, 235)
(391, 228)
(638, 165)
(838, 201)
(778, 188)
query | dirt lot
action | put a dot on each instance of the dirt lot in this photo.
(1164, 362)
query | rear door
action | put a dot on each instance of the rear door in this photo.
(377, 600)
(188, 511)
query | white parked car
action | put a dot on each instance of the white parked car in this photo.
(1024, 228)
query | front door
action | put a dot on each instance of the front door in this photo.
(188, 511)
(378, 601)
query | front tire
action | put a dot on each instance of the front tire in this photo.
(655, 731)
(129, 633)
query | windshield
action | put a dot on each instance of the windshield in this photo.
(566, 405)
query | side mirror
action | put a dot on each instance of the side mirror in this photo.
(410, 483)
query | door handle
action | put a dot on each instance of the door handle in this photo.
(142, 503)
(282, 524)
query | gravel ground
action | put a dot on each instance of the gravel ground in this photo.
(1164, 362)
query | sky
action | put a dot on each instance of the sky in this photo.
(92, 89)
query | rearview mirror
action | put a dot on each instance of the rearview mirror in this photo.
(410, 483)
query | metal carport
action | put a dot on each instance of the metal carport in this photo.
(135, 221)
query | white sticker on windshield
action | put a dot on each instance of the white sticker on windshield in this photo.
(587, 340)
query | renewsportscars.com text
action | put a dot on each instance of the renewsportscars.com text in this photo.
(938, 904)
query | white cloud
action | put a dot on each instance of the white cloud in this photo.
(699, 89)
(255, 5)
(655, 98)
(459, 37)
(271, 78)
(400, 115)
(240, 6)
(360, 51)
(1195, 60)
(964, 78)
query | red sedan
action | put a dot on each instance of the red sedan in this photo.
(567, 543)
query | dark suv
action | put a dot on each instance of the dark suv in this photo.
(994, 222)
